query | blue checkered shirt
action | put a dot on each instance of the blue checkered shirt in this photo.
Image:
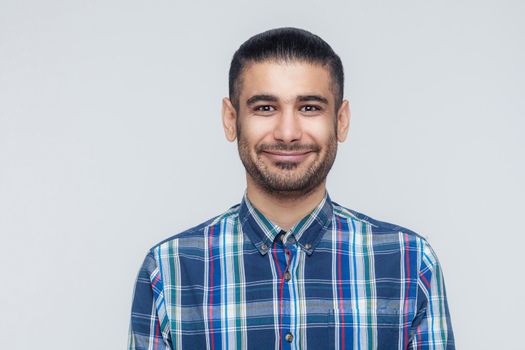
(338, 279)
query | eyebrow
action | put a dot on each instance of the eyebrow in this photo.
(317, 98)
(272, 98)
(263, 97)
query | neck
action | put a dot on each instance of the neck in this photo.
(284, 210)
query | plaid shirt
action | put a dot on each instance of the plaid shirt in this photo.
(337, 279)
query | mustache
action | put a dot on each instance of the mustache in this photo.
(289, 148)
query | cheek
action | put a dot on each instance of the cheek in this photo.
(254, 132)
(321, 132)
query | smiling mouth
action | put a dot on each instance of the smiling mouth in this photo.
(282, 156)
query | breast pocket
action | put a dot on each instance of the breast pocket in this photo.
(352, 326)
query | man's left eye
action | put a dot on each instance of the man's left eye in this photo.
(310, 108)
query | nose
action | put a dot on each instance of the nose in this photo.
(288, 126)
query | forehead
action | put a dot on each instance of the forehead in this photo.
(285, 80)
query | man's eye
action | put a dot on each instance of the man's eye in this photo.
(265, 108)
(310, 108)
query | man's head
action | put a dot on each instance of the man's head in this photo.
(285, 45)
(286, 109)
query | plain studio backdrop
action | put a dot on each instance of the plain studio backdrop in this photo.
(111, 140)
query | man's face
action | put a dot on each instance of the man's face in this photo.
(287, 126)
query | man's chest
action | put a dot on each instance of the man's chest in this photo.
(289, 299)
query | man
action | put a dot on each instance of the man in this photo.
(288, 268)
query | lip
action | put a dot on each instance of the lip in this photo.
(287, 156)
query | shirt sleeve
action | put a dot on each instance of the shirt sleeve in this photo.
(149, 327)
(431, 328)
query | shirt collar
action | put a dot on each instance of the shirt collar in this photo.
(307, 232)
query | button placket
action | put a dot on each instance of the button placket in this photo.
(287, 287)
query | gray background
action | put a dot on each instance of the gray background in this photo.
(111, 140)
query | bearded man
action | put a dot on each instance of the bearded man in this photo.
(288, 268)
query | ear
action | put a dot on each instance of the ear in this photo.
(343, 121)
(229, 117)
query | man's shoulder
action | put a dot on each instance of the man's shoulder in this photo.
(199, 230)
(377, 226)
(388, 235)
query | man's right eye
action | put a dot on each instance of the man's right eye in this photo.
(264, 108)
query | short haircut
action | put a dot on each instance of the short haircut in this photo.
(286, 44)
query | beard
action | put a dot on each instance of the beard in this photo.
(288, 179)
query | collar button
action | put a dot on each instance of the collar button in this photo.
(287, 276)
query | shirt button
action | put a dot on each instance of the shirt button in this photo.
(287, 276)
(264, 247)
(288, 337)
(308, 246)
